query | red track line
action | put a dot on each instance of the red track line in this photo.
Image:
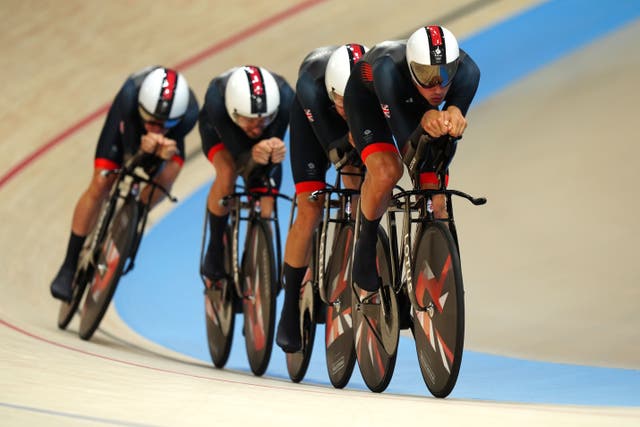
(321, 389)
(199, 57)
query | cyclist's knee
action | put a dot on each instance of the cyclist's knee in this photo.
(439, 205)
(267, 205)
(309, 213)
(168, 174)
(385, 175)
(225, 179)
(225, 169)
(100, 185)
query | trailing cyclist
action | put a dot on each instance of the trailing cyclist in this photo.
(153, 112)
(242, 123)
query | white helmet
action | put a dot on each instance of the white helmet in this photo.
(432, 56)
(251, 92)
(163, 97)
(339, 67)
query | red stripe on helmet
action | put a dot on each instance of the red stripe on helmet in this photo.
(258, 95)
(435, 35)
(169, 85)
(255, 79)
(355, 53)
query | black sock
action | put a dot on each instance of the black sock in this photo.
(364, 270)
(217, 225)
(73, 251)
(293, 277)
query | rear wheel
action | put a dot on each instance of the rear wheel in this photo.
(376, 324)
(340, 353)
(110, 261)
(439, 319)
(219, 308)
(259, 295)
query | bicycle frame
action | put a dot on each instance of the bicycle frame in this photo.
(249, 202)
(415, 204)
(127, 184)
(344, 204)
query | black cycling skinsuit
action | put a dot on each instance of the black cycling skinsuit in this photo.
(218, 131)
(123, 128)
(383, 104)
(316, 126)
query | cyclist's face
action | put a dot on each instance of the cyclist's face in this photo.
(155, 127)
(434, 95)
(253, 126)
(338, 100)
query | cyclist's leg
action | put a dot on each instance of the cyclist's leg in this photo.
(374, 141)
(439, 154)
(384, 169)
(296, 261)
(430, 181)
(255, 183)
(222, 186)
(308, 165)
(85, 216)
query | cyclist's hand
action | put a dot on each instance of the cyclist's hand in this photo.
(150, 141)
(278, 149)
(261, 152)
(457, 122)
(167, 148)
(436, 123)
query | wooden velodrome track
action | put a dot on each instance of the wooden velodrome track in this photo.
(550, 260)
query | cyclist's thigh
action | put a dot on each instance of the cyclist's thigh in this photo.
(308, 159)
(364, 115)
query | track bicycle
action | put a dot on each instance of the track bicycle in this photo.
(252, 282)
(110, 250)
(424, 279)
(325, 296)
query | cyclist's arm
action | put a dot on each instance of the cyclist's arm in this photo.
(183, 128)
(121, 113)
(220, 127)
(464, 85)
(393, 90)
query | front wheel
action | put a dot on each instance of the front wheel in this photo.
(259, 295)
(219, 301)
(113, 253)
(439, 317)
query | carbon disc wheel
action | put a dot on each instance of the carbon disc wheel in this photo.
(340, 352)
(439, 321)
(376, 325)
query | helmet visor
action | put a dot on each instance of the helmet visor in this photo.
(429, 76)
(150, 118)
(261, 121)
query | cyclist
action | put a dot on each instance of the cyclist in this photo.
(242, 122)
(319, 134)
(152, 112)
(402, 91)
